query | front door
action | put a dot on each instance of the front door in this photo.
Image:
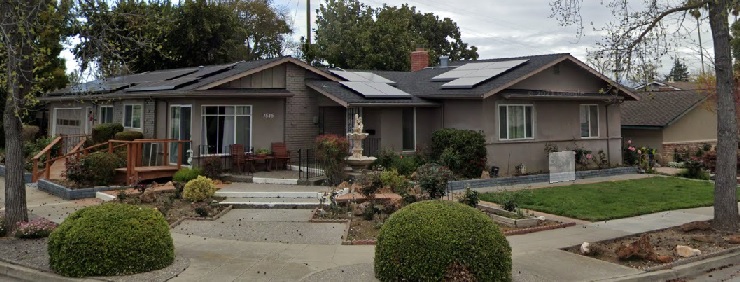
(180, 121)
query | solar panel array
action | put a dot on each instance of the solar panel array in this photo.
(370, 85)
(159, 85)
(471, 74)
(361, 76)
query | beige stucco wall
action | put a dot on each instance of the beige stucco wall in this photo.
(392, 128)
(428, 120)
(463, 114)
(652, 138)
(698, 125)
(563, 77)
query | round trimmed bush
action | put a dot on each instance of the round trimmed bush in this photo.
(199, 189)
(129, 135)
(111, 239)
(105, 131)
(441, 240)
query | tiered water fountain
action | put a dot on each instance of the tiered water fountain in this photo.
(357, 161)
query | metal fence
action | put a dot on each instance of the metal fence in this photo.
(308, 165)
(371, 146)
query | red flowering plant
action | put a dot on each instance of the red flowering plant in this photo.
(331, 151)
(631, 156)
(37, 228)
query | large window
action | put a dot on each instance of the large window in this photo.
(409, 129)
(515, 122)
(132, 114)
(106, 114)
(226, 125)
(589, 121)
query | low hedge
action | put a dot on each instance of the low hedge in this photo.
(105, 131)
(129, 135)
(441, 241)
(111, 239)
(98, 168)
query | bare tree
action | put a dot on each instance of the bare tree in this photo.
(637, 33)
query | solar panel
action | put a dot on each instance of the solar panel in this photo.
(159, 85)
(465, 82)
(375, 89)
(205, 71)
(360, 76)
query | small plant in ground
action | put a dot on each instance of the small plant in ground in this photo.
(199, 189)
(509, 201)
(694, 169)
(397, 182)
(211, 167)
(433, 179)
(630, 153)
(186, 174)
(201, 211)
(470, 197)
(603, 160)
(37, 228)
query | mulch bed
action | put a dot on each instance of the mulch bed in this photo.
(176, 209)
(709, 242)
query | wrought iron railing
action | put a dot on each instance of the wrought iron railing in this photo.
(309, 166)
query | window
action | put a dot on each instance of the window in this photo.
(106, 114)
(589, 121)
(409, 129)
(515, 122)
(132, 116)
(226, 125)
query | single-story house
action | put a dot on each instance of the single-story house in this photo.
(670, 119)
(519, 104)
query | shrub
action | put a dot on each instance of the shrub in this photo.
(433, 179)
(462, 151)
(694, 169)
(199, 189)
(98, 168)
(405, 165)
(29, 132)
(710, 160)
(629, 154)
(105, 131)
(111, 239)
(211, 167)
(436, 240)
(397, 182)
(186, 174)
(370, 183)
(470, 198)
(37, 228)
(129, 135)
(331, 151)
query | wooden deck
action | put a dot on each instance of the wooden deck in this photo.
(142, 173)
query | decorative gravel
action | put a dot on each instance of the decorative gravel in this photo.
(33, 254)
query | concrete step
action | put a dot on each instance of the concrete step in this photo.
(271, 194)
(271, 203)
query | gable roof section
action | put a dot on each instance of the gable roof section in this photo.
(660, 108)
(346, 97)
(257, 66)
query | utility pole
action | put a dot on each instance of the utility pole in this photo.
(701, 48)
(307, 48)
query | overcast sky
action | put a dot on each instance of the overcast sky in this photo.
(513, 28)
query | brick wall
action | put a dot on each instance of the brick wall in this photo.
(668, 150)
(419, 59)
(300, 110)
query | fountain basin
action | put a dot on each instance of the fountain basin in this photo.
(360, 163)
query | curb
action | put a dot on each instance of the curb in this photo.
(682, 271)
(28, 274)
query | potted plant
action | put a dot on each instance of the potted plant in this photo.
(262, 152)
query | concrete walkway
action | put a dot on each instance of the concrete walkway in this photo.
(277, 245)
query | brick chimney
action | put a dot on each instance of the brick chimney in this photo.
(419, 59)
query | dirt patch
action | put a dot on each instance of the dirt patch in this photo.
(663, 243)
(174, 208)
(360, 229)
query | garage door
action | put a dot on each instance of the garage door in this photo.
(68, 122)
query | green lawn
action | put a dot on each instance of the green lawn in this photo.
(614, 199)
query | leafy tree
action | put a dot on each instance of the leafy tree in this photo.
(350, 34)
(679, 72)
(636, 29)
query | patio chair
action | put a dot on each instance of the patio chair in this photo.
(238, 158)
(281, 154)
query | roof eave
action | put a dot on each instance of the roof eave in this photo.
(150, 95)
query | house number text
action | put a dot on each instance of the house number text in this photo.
(268, 115)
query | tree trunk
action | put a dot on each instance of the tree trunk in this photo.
(18, 43)
(725, 200)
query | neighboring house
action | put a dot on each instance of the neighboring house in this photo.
(520, 104)
(670, 118)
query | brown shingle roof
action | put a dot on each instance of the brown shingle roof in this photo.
(659, 108)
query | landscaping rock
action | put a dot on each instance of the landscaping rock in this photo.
(360, 209)
(485, 175)
(585, 248)
(640, 248)
(695, 225)
(662, 259)
(686, 251)
(148, 197)
(734, 239)
(702, 238)
(343, 185)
